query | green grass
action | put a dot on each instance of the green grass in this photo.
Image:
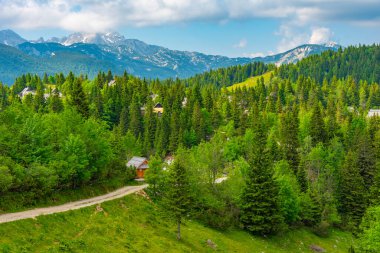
(15, 202)
(250, 82)
(133, 224)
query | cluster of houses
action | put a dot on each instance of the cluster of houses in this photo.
(158, 107)
(27, 90)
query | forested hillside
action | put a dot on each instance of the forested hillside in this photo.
(298, 150)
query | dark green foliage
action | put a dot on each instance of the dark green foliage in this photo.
(358, 62)
(289, 137)
(178, 193)
(224, 77)
(78, 98)
(310, 208)
(135, 124)
(259, 203)
(317, 129)
(352, 191)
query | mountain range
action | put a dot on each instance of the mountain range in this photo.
(88, 53)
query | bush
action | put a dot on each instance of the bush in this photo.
(5, 179)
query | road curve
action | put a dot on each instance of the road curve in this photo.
(71, 205)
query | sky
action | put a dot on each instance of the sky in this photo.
(235, 28)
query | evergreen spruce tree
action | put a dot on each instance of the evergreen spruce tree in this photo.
(178, 193)
(39, 99)
(366, 159)
(311, 210)
(375, 189)
(289, 137)
(135, 123)
(124, 120)
(259, 202)
(174, 131)
(352, 191)
(55, 103)
(78, 98)
(149, 127)
(317, 129)
(196, 122)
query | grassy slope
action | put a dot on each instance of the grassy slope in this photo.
(16, 202)
(133, 224)
(250, 82)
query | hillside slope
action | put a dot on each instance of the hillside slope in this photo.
(250, 82)
(133, 224)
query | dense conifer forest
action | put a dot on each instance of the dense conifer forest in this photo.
(298, 150)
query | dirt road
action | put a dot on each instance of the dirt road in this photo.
(71, 205)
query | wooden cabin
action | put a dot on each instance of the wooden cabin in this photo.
(158, 108)
(140, 164)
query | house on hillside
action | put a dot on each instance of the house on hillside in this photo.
(158, 108)
(169, 159)
(112, 83)
(184, 102)
(140, 164)
(153, 96)
(26, 91)
(373, 112)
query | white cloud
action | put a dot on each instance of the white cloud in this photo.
(295, 16)
(320, 35)
(290, 37)
(98, 15)
(293, 36)
(241, 44)
(254, 55)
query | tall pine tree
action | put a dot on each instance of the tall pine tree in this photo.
(259, 202)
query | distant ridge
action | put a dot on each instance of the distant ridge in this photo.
(88, 53)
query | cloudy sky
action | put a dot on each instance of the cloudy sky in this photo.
(226, 27)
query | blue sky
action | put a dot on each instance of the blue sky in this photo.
(224, 27)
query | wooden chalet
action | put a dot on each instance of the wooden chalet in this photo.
(158, 108)
(140, 164)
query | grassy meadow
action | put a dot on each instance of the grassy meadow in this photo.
(134, 224)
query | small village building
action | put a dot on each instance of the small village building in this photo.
(153, 96)
(373, 113)
(112, 83)
(26, 91)
(169, 159)
(140, 164)
(184, 102)
(158, 108)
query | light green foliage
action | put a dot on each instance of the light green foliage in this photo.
(155, 177)
(5, 178)
(236, 179)
(369, 238)
(250, 82)
(288, 192)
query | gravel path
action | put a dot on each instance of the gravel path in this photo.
(71, 205)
